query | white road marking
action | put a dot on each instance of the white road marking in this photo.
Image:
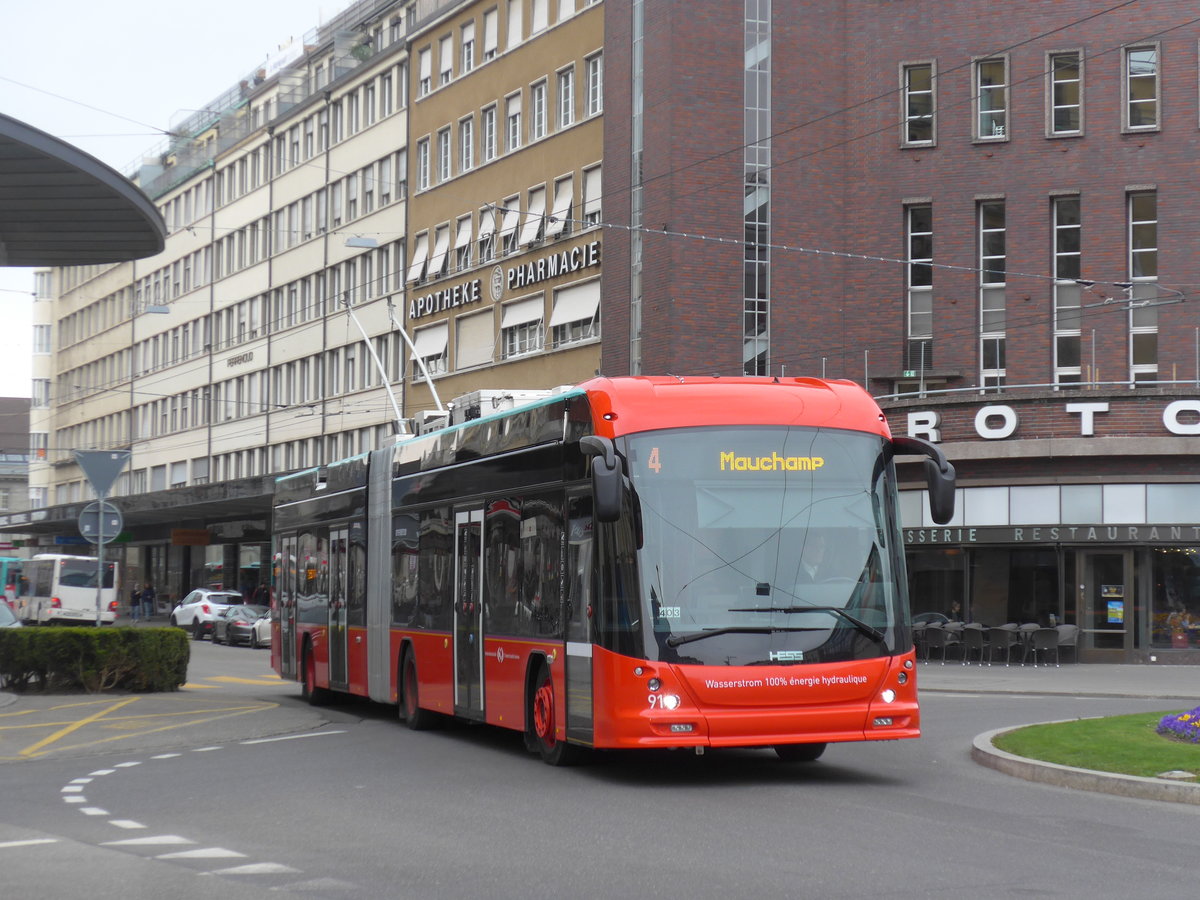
(166, 756)
(258, 869)
(94, 811)
(203, 853)
(204, 749)
(128, 824)
(128, 765)
(102, 772)
(164, 839)
(291, 737)
(10, 844)
(75, 798)
(72, 789)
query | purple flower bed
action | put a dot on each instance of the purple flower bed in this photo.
(1184, 726)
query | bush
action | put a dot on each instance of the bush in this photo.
(67, 659)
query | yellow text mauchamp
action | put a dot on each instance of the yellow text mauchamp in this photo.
(772, 463)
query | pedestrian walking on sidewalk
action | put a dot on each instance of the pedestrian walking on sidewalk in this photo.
(135, 603)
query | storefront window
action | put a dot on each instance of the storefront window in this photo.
(936, 582)
(1175, 613)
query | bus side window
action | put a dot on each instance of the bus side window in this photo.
(620, 609)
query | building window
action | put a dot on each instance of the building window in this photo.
(445, 59)
(1066, 101)
(487, 127)
(566, 98)
(41, 393)
(1143, 273)
(487, 234)
(521, 327)
(443, 140)
(441, 251)
(537, 111)
(42, 338)
(1068, 234)
(918, 104)
(466, 145)
(425, 71)
(1141, 88)
(462, 244)
(429, 346)
(422, 164)
(591, 197)
(993, 262)
(508, 227)
(991, 98)
(595, 84)
(559, 223)
(467, 48)
(491, 32)
(535, 217)
(919, 270)
(515, 23)
(512, 118)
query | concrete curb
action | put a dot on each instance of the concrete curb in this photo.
(986, 754)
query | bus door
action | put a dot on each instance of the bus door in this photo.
(285, 602)
(577, 614)
(338, 586)
(468, 612)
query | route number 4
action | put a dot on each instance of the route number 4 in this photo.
(654, 462)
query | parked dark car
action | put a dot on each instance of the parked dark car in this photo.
(241, 625)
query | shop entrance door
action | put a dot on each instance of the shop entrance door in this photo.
(1106, 604)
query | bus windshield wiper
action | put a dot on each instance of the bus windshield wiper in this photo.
(873, 633)
(676, 639)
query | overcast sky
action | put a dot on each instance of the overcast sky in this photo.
(111, 78)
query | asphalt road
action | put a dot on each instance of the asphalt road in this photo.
(346, 802)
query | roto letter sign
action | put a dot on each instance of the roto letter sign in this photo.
(997, 422)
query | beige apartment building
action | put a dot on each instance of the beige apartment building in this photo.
(396, 211)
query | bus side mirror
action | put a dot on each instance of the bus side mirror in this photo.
(939, 475)
(606, 476)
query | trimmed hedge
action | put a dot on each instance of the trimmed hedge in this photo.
(68, 659)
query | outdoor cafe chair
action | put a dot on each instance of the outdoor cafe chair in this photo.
(1043, 641)
(937, 638)
(1068, 636)
(1002, 639)
(974, 641)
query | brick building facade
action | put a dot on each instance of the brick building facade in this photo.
(982, 217)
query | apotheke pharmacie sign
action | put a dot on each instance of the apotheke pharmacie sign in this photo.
(999, 421)
(506, 278)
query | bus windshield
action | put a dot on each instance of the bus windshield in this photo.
(82, 572)
(762, 545)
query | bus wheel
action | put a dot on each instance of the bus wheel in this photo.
(545, 727)
(416, 718)
(799, 752)
(309, 690)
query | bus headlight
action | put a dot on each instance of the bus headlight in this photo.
(669, 701)
(888, 696)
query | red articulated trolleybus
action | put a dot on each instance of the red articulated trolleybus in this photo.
(631, 563)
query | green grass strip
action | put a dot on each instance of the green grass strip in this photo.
(1128, 745)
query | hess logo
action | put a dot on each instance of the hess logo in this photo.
(786, 656)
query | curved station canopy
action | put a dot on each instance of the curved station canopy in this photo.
(61, 207)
